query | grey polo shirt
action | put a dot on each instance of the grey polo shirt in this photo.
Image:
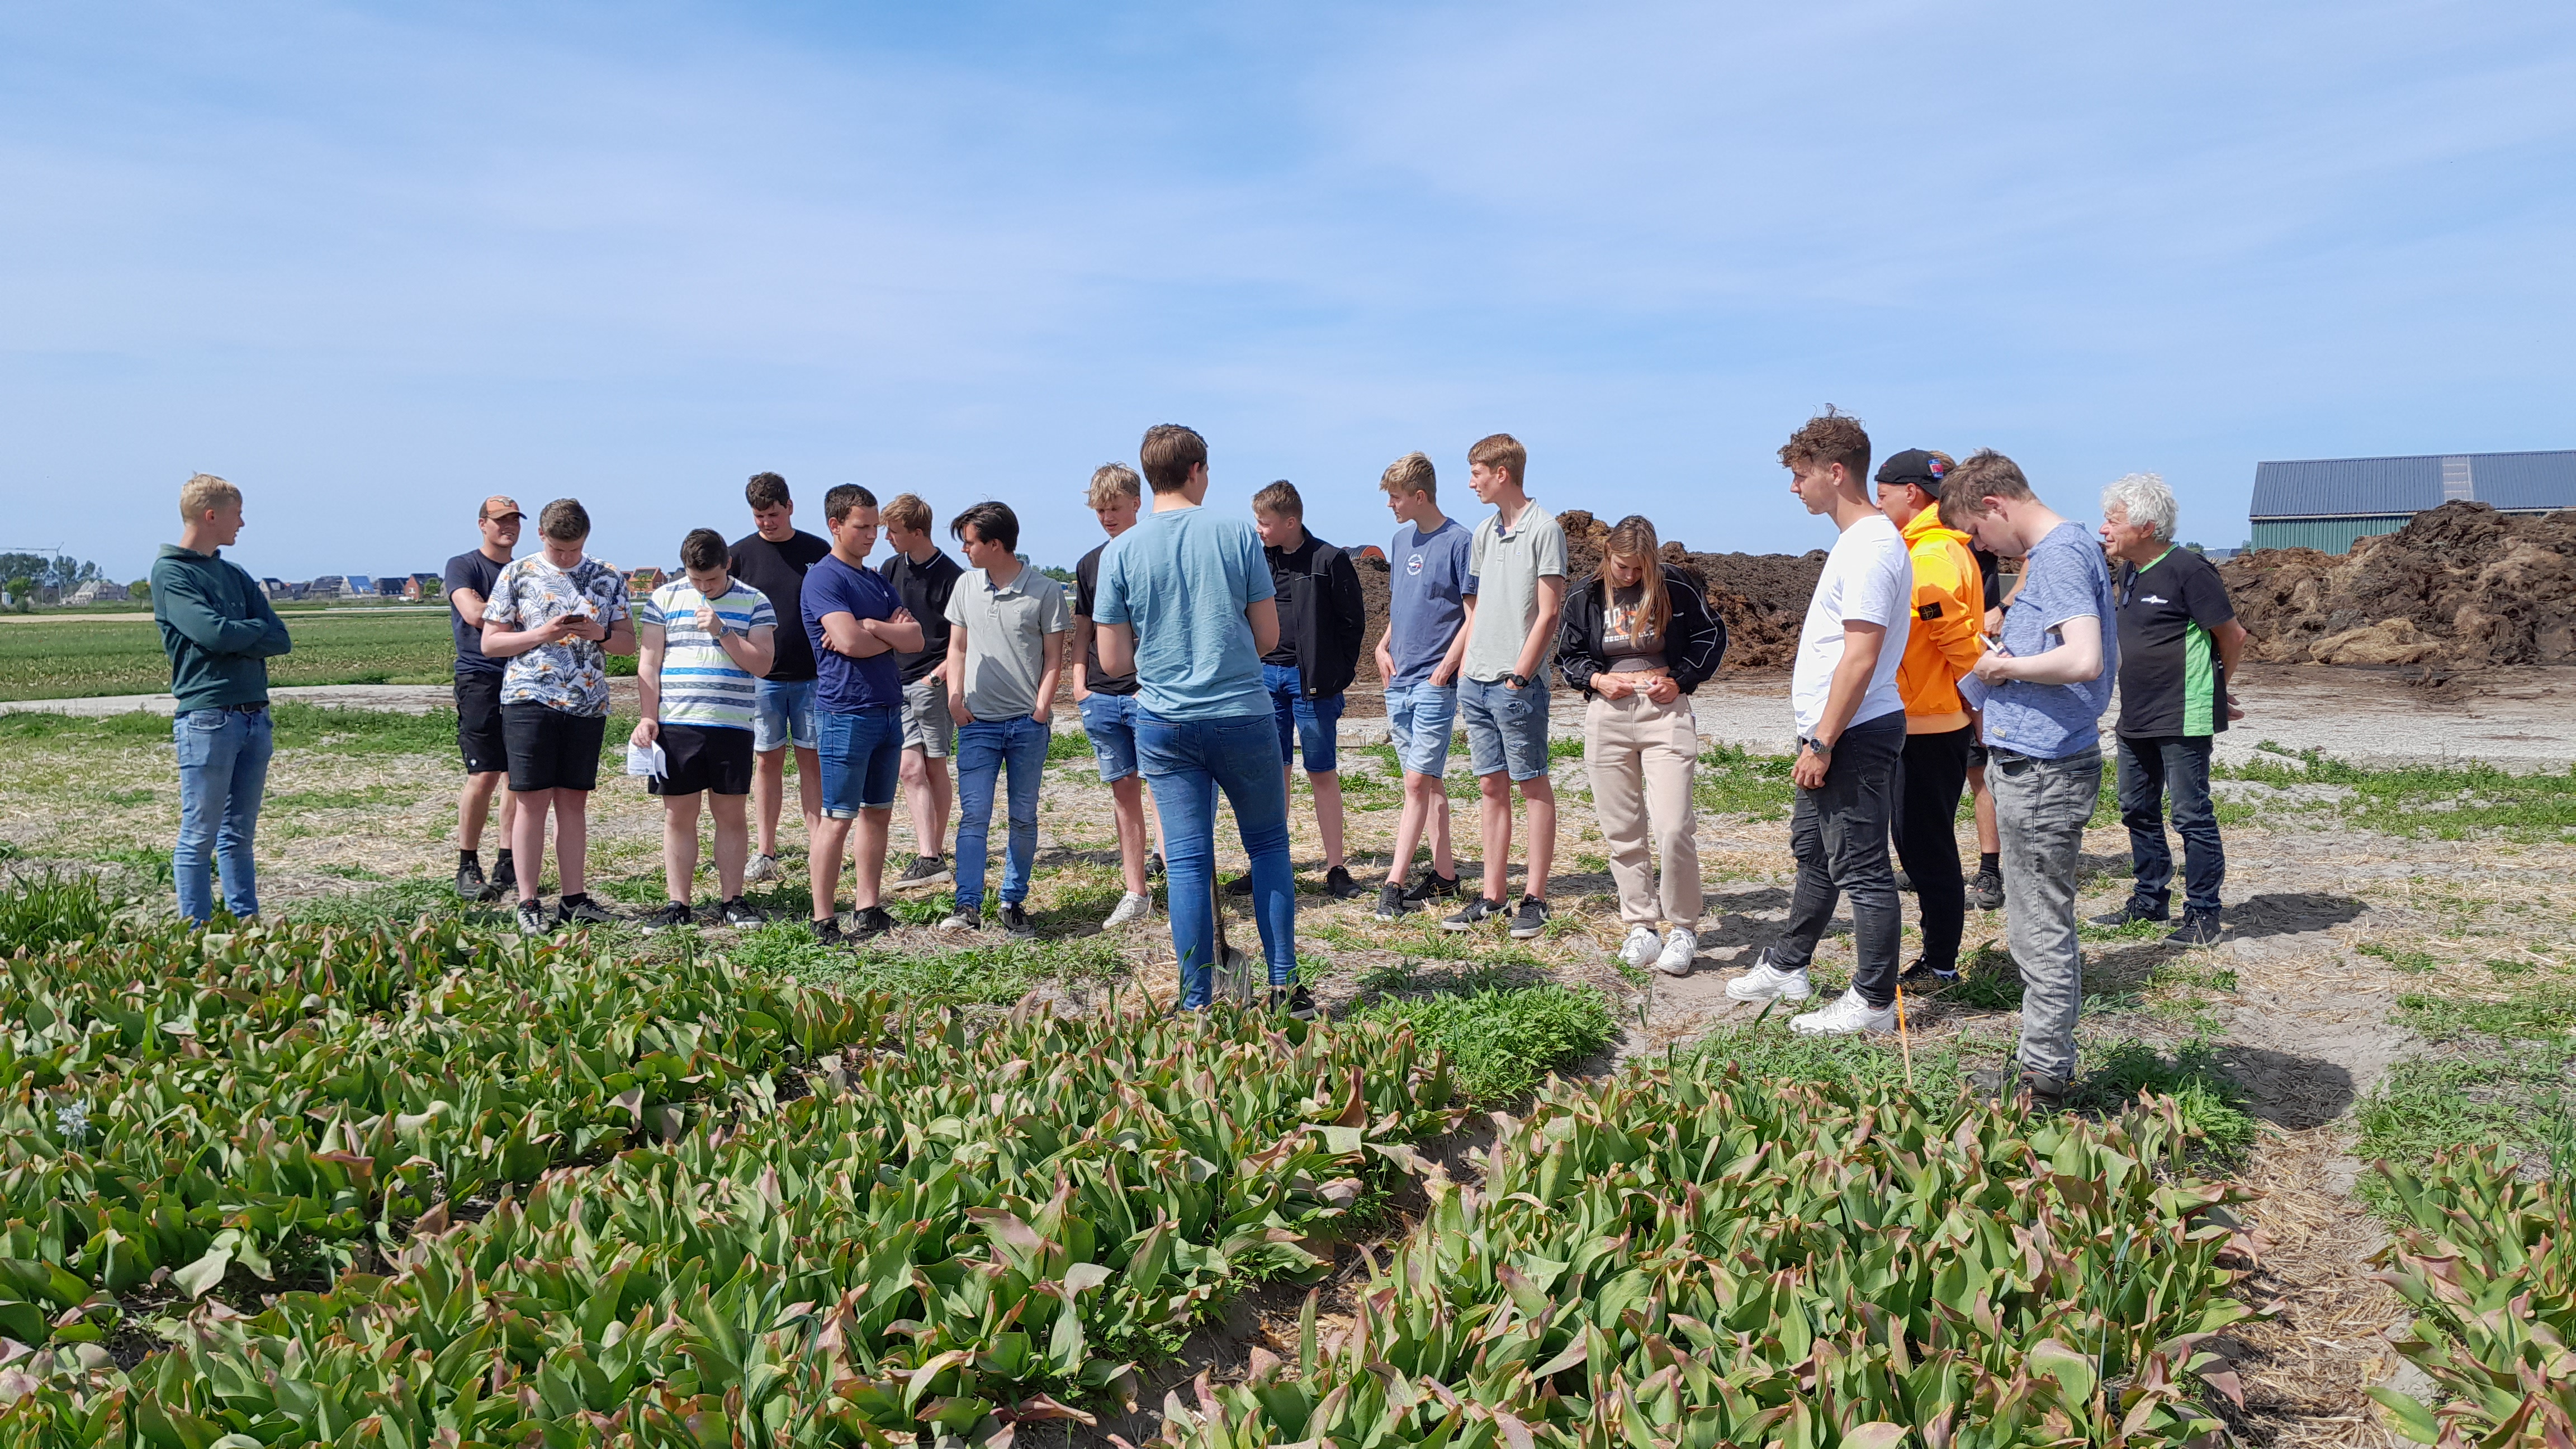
(1006, 631)
(1503, 570)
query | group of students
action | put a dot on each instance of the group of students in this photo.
(1209, 652)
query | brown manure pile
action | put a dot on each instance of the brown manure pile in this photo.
(2459, 587)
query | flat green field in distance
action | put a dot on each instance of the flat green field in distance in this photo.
(76, 658)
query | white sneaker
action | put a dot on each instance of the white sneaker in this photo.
(1680, 949)
(1847, 1016)
(1642, 945)
(764, 869)
(1131, 907)
(963, 921)
(1766, 981)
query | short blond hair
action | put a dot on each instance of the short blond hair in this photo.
(1504, 454)
(906, 511)
(1280, 500)
(203, 493)
(1111, 482)
(1411, 473)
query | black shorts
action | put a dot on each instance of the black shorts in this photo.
(702, 757)
(552, 750)
(478, 723)
(1976, 757)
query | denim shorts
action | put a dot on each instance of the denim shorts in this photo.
(782, 713)
(861, 756)
(1110, 721)
(1506, 727)
(1310, 725)
(1422, 717)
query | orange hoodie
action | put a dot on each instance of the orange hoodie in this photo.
(1949, 613)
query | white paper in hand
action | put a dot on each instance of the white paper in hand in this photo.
(647, 760)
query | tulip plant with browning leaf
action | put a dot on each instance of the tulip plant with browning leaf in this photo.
(1683, 1258)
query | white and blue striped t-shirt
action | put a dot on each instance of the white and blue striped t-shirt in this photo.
(701, 685)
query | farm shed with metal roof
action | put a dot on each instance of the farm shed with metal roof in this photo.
(2326, 503)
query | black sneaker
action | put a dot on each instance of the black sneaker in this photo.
(505, 878)
(1240, 886)
(1431, 886)
(2005, 1085)
(586, 912)
(1477, 913)
(1296, 1001)
(672, 914)
(2131, 911)
(1920, 977)
(868, 923)
(740, 914)
(1904, 882)
(827, 931)
(1986, 891)
(1530, 919)
(2198, 928)
(1154, 866)
(1392, 902)
(533, 920)
(1015, 922)
(925, 870)
(1339, 885)
(470, 884)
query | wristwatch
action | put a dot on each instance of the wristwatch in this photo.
(1516, 681)
(1823, 751)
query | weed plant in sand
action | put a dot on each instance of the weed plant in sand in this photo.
(2441, 802)
(1688, 1256)
(1502, 1041)
(2514, 1089)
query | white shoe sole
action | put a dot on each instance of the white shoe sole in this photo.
(1803, 1027)
(1799, 990)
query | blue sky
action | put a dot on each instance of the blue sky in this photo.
(372, 263)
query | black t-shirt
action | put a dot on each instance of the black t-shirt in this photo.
(1990, 572)
(2171, 682)
(778, 570)
(1292, 585)
(474, 571)
(1086, 588)
(924, 589)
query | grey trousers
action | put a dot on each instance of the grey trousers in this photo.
(2041, 807)
(1838, 832)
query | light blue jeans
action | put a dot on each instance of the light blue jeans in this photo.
(985, 747)
(1188, 761)
(223, 768)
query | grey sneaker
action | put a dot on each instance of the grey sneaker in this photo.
(674, 913)
(1477, 913)
(764, 869)
(533, 920)
(470, 884)
(740, 914)
(1015, 921)
(1986, 891)
(964, 920)
(1392, 902)
(924, 872)
(1530, 919)
(827, 931)
(583, 912)
(1131, 907)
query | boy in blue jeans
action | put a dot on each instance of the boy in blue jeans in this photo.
(1007, 624)
(1185, 605)
(1323, 621)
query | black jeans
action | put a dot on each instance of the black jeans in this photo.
(1838, 832)
(2148, 769)
(1934, 774)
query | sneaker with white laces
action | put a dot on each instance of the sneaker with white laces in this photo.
(1131, 907)
(1766, 981)
(924, 872)
(1641, 945)
(964, 921)
(764, 869)
(1681, 948)
(1848, 1015)
(533, 920)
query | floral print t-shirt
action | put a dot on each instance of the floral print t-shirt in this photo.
(571, 674)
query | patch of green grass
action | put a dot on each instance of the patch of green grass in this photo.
(2541, 1011)
(1068, 745)
(2443, 802)
(1501, 1043)
(41, 911)
(1731, 781)
(2409, 961)
(402, 902)
(2213, 1104)
(1766, 1049)
(2523, 1098)
(123, 655)
(148, 861)
(991, 971)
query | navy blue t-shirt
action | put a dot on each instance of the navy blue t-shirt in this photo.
(1427, 588)
(849, 685)
(472, 570)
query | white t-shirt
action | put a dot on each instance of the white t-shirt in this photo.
(1868, 579)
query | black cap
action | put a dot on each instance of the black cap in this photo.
(1914, 465)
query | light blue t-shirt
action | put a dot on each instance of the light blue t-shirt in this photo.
(2064, 578)
(1181, 578)
(1428, 584)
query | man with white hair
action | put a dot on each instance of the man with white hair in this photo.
(2179, 645)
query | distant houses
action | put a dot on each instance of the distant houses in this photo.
(96, 591)
(642, 582)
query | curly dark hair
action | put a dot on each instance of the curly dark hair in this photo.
(1829, 437)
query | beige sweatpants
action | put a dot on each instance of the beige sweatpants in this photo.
(1641, 757)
